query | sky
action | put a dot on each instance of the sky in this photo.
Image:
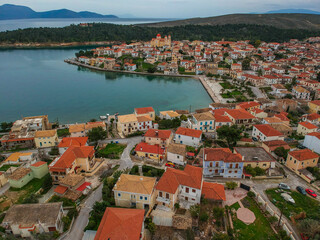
(168, 8)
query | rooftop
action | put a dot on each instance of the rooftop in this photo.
(45, 133)
(71, 180)
(135, 184)
(155, 133)
(143, 110)
(73, 141)
(189, 132)
(179, 149)
(77, 128)
(254, 154)
(19, 173)
(267, 130)
(213, 191)
(303, 154)
(221, 154)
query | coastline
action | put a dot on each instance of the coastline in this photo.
(201, 78)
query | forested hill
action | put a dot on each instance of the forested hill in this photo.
(111, 32)
(278, 20)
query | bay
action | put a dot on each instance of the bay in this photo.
(38, 81)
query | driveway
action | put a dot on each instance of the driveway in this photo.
(81, 221)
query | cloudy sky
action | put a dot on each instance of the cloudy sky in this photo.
(168, 8)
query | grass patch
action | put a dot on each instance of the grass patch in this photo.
(260, 229)
(149, 171)
(6, 167)
(303, 203)
(112, 150)
(236, 206)
(227, 85)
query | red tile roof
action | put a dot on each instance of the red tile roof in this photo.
(267, 130)
(239, 114)
(189, 132)
(143, 110)
(83, 186)
(73, 141)
(303, 154)
(213, 191)
(316, 102)
(221, 154)
(70, 155)
(276, 143)
(313, 116)
(283, 116)
(147, 148)
(169, 182)
(315, 134)
(154, 133)
(247, 105)
(60, 189)
(38, 164)
(308, 125)
(221, 118)
(120, 223)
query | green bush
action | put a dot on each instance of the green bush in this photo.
(204, 217)
(251, 194)
(231, 185)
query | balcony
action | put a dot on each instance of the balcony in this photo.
(164, 200)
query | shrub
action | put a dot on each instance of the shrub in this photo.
(251, 194)
(218, 212)
(231, 185)
(195, 210)
(204, 217)
(176, 205)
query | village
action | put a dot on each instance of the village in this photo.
(245, 167)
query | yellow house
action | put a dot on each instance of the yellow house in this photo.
(301, 159)
(46, 138)
(18, 157)
(305, 128)
(77, 130)
(135, 191)
(152, 152)
(127, 124)
(314, 106)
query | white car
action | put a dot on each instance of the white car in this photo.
(287, 197)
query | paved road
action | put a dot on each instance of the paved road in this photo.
(81, 222)
(4, 188)
(258, 92)
(125, 160)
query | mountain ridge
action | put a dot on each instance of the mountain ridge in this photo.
(11, 11)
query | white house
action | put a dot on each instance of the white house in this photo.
(264, 132)
(176, 153)
(187, 136)
(312, 141)
(202, 121)
(144, 123)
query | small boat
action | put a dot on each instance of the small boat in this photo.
(103, 117)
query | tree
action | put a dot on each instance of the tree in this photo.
(281, 152)
(96, 134)
(230, 134)
(176, 205)
(183, 117)
(5, 126)
(218, 212)
(231, 185)
(204, 217)
(195, 210)
(257, 43)
(246, 63)
(47, 183)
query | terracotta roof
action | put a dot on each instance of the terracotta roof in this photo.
(267, 130)
(144, 110)
(189, 132)
(303, 154)
(127, 118)
(313, 116)
(239, 114)
(14, 157)
(73, 141)
(221, 154)
(76, 128)
(70, 155)
(273, 120)
(144, 118)
(308, 125)
(120, 223)
(274, 143)
(45, 133)
(155, 133)
(147, 148)
(191, 177)
(60, 189)
(91, 125)
(19, 173)
(135, 184)
(222, 118)
(246, 105)
(38, 164)
(205, 116)
(316, 102)
(213, 191)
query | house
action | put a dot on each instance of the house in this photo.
(285, 129)
(144, 123)
(121, 223)
(312, 141)
(72, 186)
(314, 106)
(301, 159)
(25, 219)
(176, 153)
(90, 125)
(77, 130)
(313, 118)
(256, 157)
(187, 136)
(221, 162)
(19, 157)
(145, 111)
(272, 145)
(23, 175)
(264, 132)
(221, 120)
(258, 113)
(158, 137)
(73, 160)
(305, 128)
(301, 93)
(67, 142)
(202, 121)
(239, 116)
(135, 191)
(46, 138)
(169, 114)
(248, 106)
(213, 192)
(279, 90)
(183, 186)
(127, 124)
(155, 153)
(130, 66)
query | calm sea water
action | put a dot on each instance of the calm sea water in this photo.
(57, 22)
(34, 82)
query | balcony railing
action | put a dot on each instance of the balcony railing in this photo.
(162, 199)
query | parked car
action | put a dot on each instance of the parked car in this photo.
(287, 197)
(301, 190)
(169, 164)
(311, 192)
(283, 186)
(255, 139)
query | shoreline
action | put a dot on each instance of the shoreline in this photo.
(201, 78)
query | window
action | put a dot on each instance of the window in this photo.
(230, 171)
(231, 165)
(187, 190)
(167, 195)
(210, 164)
(295, 161)
(160, 194)
(178, 157)
(236, 171)
(193, 190)
(119, 194)
(146, 198)
(141, 198)
(237, 165)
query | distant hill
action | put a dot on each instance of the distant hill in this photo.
(278, 20)
(304, 11)
(10, 11)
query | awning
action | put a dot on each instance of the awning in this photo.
(60, 189)
(190, 154)
(83, 186)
